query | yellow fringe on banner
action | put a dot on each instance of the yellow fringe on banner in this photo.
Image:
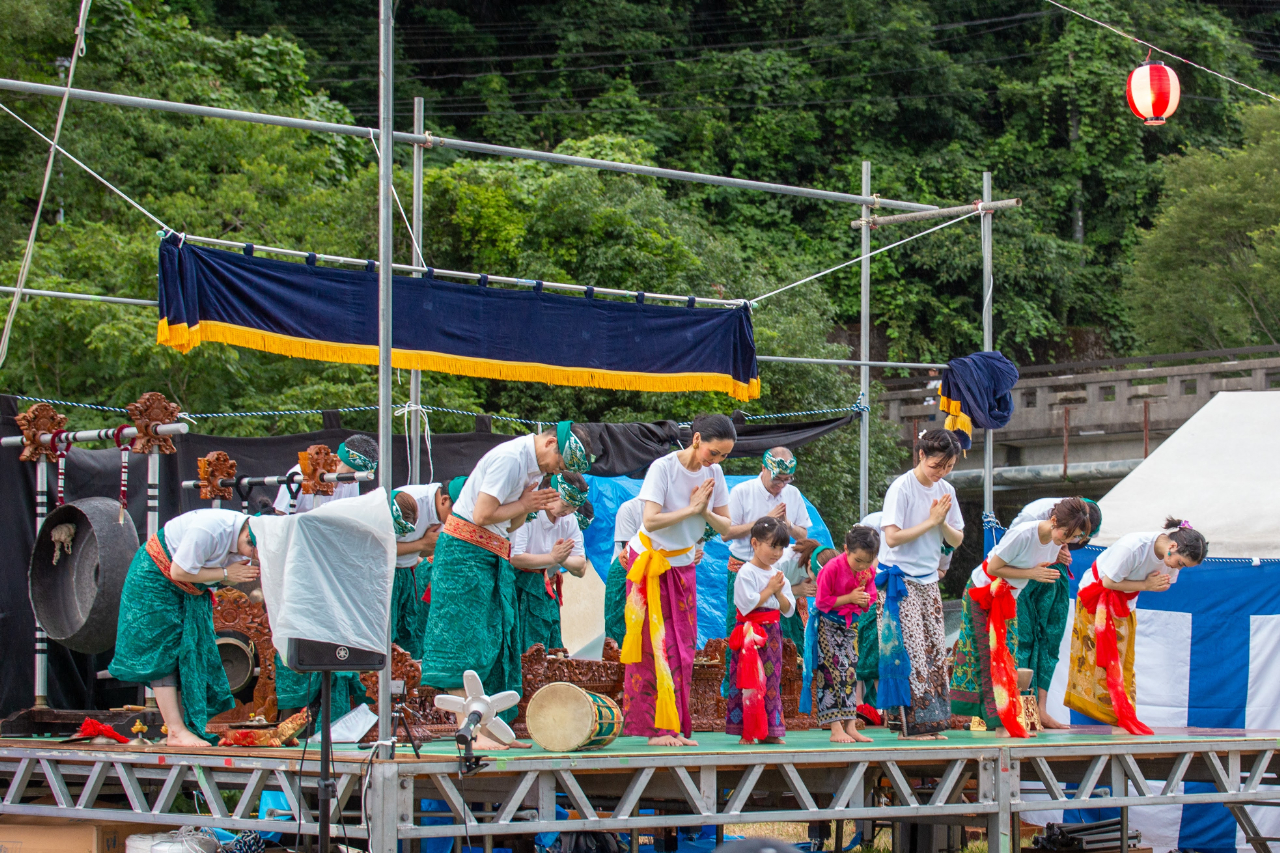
(645, 601)
(184, 340)
(956, 419)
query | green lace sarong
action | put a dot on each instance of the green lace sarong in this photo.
(473, 622)
(615, 601)
(972, 689)
(869, 654)
(1042, 622)
(163, 630)
(408, 610)
(300, 689)
(538, 613)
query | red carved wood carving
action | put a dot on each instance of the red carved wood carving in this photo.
(212, 468)
(234, 611)
(152, 410)
(40, 418)
(317, 460)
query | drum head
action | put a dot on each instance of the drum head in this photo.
(561, 717)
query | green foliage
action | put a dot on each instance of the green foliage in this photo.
(1207, 274)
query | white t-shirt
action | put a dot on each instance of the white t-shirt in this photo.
(1038, 510)
(874, 519)
(751, 581)
(1021, 549)
(669, 484)
(425, 495)
(1132, 557)
(504, 473)
(750, 500)
(306, 503)
(539, 536)
(204, 538)
(907, 504)
(628, 520)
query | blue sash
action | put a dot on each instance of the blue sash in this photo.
(894, 689)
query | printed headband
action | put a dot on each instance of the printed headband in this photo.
(402, 527)
(355, 461)
(776, 466)
(571, 495)
(571, 449)
(583, 521)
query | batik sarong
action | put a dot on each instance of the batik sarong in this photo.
(793, 626)
(408, 610)
(473, 622)
(164, 630)
(913, 655)
(869, 653)
(537, 613)
(615, 600)
(973, 693)
(300, 689)
(1100, 676)
(770, 691)
(1042, 621)
(678, 604)
(835, 669)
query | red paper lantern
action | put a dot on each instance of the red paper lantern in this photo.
(1153, 92)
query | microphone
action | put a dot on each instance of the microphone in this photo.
(479, 711)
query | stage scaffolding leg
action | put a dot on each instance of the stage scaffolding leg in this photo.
(415, 377)
(988, 438)
(42, 639)
(386, 124)
(153, 526)
(864, 373)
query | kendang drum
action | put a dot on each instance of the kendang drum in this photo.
(563, 717)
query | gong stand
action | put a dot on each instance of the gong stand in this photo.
(318, 477)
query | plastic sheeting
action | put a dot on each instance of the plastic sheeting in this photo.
(607, 494)
(326, 574)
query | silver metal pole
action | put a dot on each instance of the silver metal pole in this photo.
(458, 144)
(944, 212)
(849, 362)
(415, 376)
(42, 639)
(386, 122)
(988, 439)
(82, 297)
(864, 351)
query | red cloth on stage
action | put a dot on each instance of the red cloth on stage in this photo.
(747, 641)
(1105, 605)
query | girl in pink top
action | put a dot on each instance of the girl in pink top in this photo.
(846, 589)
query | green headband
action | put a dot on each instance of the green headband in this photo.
(571, 495)
(455, 488)
(777, 466)
(355, 461)
(571, 449)
(397, 517)
(1094, 504)
(583, 521)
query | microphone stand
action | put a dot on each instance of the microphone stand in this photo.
(326, 790)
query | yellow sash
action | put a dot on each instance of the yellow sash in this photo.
(650, 565)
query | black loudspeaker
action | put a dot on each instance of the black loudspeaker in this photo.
(315, 656)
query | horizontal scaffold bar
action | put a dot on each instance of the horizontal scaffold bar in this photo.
(83, 297)
(846, 362)
(457, 144)
(939, 213)
(283, 479)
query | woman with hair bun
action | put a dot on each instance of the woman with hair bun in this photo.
(1100, 676)
(921, 521)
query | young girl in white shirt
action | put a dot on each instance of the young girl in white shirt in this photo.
(761, 596)
(921, 515)
(1100, 678)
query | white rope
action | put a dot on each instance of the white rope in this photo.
(105, 182)
(396, 196)
(23, 270)
(406, 410)
(867, 255)
(1119, 31)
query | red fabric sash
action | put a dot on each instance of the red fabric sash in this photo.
(1105, 606)
(747, 640)
(997, 599)
(553, 581)
(426, 596)
(155, 550)
(460, 528)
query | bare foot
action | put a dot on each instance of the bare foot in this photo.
(686, 741)
(773, 740)
(745, 741)
(1000, 731)
(184, 738)
(938, 736)
(483, 742)
(901, 736)
(1049, 722)
(1116, 730)
(859, 736)
(665, 740)
(838, 734)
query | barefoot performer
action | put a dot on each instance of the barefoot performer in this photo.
(984, 681)
(683, 493)
(544, 544)
(1100, 674)
(165, 637)
(846, 590)
(921, 515)
(472, 623)
(761, 595)
(1043, 608)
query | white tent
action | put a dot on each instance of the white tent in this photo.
(1219, 471)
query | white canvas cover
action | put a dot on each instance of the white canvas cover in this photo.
(1219, 471)
(326, 574)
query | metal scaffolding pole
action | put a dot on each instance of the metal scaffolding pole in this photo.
(944, 212)
(864, 352)
(386, 122)
(850, 362)
(457, 144)
(415, 376)
(988, 442)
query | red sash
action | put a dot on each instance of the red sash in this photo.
(1106, 605)
(747, 640)
(155, 550)
(426, 596)
(997, 599)
(460, 528)
(553, 580)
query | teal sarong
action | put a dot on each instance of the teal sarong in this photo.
(869, 654)
(1042, 622)
(473, 622)
(300, 689)
(972, 688)
(615, 601)
(163, 630)
(408, 610)
(539, 613)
